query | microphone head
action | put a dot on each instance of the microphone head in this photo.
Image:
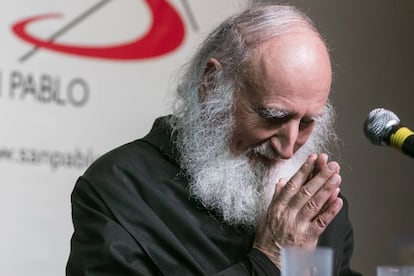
(378, 124)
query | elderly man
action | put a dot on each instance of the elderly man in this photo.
(234, 175)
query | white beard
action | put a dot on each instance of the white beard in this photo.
(239, 189)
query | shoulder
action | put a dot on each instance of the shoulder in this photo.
(130, 156)
(116, 170)
(143, 156)
(139, 169)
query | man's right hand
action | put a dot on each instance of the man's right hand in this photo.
(302, 209)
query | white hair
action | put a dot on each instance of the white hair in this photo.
(235, 187)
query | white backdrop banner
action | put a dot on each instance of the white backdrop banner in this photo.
(78, 78)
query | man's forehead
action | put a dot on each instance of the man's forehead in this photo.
(279, 104)
(296, 50)
(302, 73)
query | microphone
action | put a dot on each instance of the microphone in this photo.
(382, 127)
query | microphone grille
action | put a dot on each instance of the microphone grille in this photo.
(378, 123)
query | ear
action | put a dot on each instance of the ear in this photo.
(212, 66)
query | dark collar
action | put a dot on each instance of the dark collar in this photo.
(163, 138)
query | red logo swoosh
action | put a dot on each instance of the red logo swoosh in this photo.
(165, 34)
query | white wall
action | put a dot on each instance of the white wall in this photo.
(61, 110)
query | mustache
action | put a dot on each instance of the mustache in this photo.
(264, 149)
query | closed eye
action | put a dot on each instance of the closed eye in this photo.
(306, 122)
(273, 117)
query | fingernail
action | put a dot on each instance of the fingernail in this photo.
(334, 179)
(332, 166)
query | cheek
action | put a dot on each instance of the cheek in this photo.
(247, 130)
(247, 135)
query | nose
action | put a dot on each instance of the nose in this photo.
(284, 142)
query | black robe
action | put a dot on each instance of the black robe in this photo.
(132, 215)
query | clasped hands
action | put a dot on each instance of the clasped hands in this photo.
(301, 208)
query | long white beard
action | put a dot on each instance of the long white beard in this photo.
(239, 189)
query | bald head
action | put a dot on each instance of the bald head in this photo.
(231, 43)
(295, 62)
(286, 89)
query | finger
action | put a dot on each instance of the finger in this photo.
(278, 187)
(307, 191)
(334, 195)
(280, 184)
(319, 163)
(322, 220)
(322, 162)
(295, 182)
(321, 200)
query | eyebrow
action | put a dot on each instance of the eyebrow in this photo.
(272, 112)
(277, 113)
